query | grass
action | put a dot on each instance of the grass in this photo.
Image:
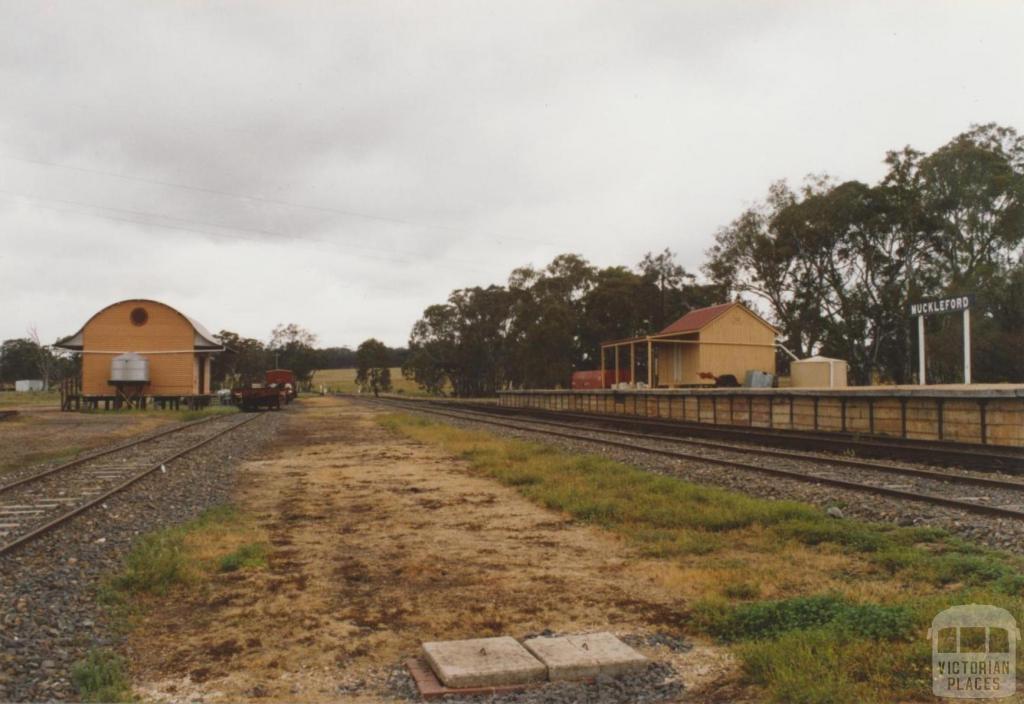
(344, 381)
(252, 555)
(101, 677)
(187, 416)
(29, 398)
(817, 610)
(219, 540)
(12, 399)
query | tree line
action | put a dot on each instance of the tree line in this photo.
(290, 347)
(545, 323)
(834, 265)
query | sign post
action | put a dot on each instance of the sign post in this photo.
(956, 304)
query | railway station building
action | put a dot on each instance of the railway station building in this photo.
(726, 339)
(143, 348)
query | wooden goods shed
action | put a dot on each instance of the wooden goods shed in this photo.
(725, 339)
(177, 348)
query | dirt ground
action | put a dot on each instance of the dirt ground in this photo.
(380, 543)
(43, 435)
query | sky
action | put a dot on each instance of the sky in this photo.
(343, 165)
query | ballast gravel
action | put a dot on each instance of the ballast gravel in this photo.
(659, 682)
(49, 615)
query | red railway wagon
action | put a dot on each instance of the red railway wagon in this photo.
(592, 379)
(283, 379)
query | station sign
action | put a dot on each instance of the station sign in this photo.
(955, 304)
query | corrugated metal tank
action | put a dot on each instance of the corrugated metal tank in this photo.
(129, 367)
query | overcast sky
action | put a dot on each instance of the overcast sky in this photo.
(343, 165)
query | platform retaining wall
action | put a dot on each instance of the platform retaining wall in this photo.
(992, 416)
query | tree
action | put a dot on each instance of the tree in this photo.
(292, 347)
(837, 264)
(372, 366)
(46, 362)
(244, 361)
(545, 324)
(18, 360)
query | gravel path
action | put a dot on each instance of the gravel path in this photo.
(49, 617)
(657, 683)
(1002, 533)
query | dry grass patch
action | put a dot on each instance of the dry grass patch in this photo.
(221, 539)
(817, 609)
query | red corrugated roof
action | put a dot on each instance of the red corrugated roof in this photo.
(697, 319)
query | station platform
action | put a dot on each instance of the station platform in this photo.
(986, 414)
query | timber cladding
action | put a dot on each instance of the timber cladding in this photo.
(735, 342)
(163, 336)
(995, 418)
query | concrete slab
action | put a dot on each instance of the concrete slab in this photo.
(483, 662)
(564, 660)
(585, 656)
(430, 687)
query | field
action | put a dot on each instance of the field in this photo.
(344, 380)
(35, 399)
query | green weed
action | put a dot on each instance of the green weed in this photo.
(161, 560)
(741, 590)
(828, 666)
(251, 555)
(101, 677)
(189, 416)
(155, 563)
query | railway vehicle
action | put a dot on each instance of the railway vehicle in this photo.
(278, 388)
(256, 396)
(283, 378)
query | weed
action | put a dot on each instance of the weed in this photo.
(101, 677)
(814, 531)
(827, 666)
(770, 619)
(189, 416)
(974, 568)
(741, 590)
(165, 558)
(155, 563)
(251, 555)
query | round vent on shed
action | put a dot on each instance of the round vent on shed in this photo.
(139, 316)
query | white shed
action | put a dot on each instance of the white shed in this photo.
(818, 373)
(28, 385)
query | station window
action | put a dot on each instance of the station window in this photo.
(139, 316)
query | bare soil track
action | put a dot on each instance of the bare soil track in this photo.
(379, 543)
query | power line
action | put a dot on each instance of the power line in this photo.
(389, 259)
(244, 196)
(145, 214)
(214, 191)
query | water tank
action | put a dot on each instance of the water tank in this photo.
(129, 367)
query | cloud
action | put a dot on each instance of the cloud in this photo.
(428, 146)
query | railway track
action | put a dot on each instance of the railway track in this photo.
(995, 496)
(974, 456)
(36, 504)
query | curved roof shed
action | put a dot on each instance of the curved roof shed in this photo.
(177, 348)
